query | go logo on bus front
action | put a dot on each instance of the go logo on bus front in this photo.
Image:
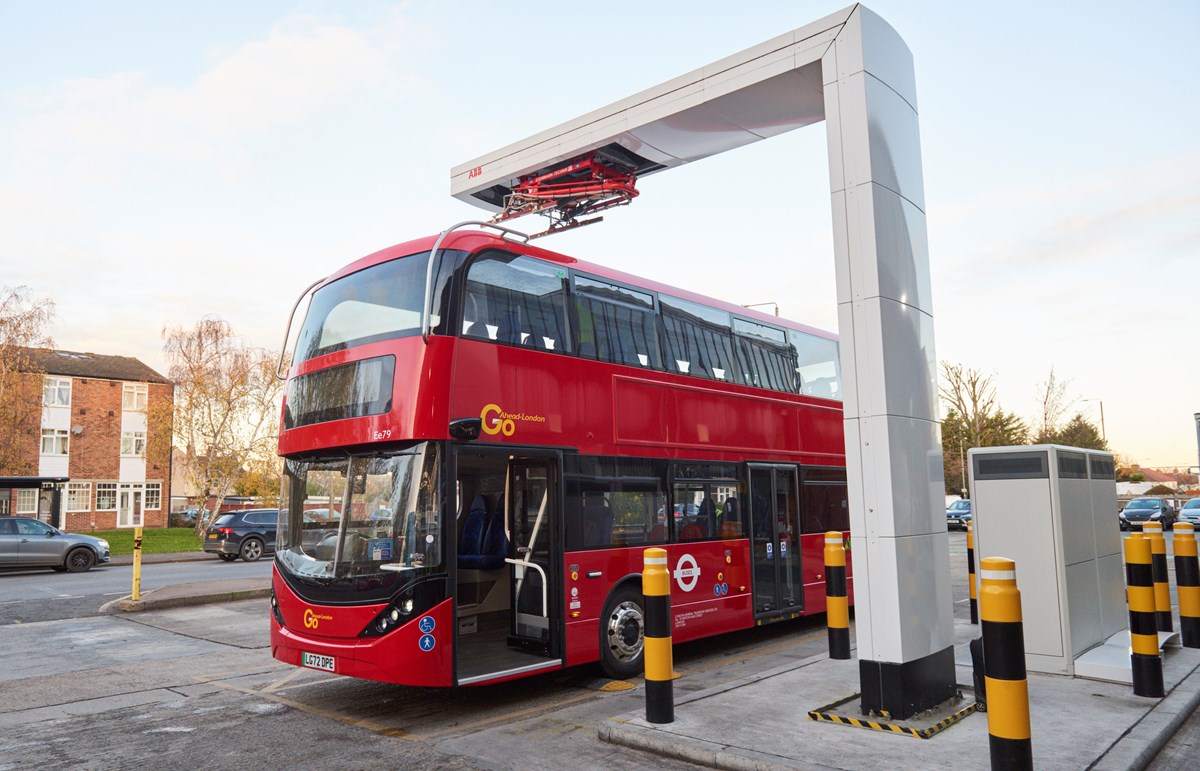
(497, 421)
(312, 620)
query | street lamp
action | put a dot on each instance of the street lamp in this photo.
(1104, 435)
(1197, 417)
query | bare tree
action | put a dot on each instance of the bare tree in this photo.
(23, 322)
(973, 419)
(1054, 403)
(227, 401)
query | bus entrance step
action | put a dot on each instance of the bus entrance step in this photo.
(529, 645)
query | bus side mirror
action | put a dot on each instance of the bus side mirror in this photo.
(466, 428)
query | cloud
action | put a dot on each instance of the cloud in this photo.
(302, 68)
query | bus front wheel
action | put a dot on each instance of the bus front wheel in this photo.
(621, 633)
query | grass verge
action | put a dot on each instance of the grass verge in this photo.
(154, 540)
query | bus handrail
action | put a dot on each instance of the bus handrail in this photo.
(538, 568)
(279, 375)
(427, 309)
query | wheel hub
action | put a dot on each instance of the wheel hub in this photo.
(625, 631)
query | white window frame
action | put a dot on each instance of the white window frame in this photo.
(57, 437)
(74, 490)
(105, 487)
(27, 501)
(130, 444)
(153, 495)
(52, 389)
(135, 397)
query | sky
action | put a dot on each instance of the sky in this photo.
(163, 162)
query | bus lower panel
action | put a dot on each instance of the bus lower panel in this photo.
(407, 655)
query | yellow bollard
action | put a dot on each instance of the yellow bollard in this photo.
(837, 603)
(1187, 583)
(972, 583)
(656, 653)
(137, 563)
(1143, 631)
(1158, 569)
(1009, 733)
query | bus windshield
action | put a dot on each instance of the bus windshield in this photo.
(382, 302)
(367, 521)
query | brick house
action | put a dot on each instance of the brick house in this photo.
(105, 429)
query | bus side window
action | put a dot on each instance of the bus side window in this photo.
(516, 300)
(698, 341)
(613, 502)
(824, 505)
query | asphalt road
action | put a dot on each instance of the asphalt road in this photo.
(42, 595)
(196, 687)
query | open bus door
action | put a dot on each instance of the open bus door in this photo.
(509, 613)
(775, 530)
(530, 523)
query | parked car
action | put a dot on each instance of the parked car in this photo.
(958, 515)
(1141, 510)
(27, 543)
(1190, 512)
(247, 534)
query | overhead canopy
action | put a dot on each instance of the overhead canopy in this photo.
(761, 92)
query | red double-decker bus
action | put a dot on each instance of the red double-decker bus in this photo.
(480, 438)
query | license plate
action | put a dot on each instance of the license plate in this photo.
(316, 661)
(212, 535)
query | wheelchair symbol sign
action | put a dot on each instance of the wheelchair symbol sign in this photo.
(426, 624)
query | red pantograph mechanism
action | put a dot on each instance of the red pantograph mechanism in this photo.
(582, 187)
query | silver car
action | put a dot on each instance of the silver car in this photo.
(31, 543)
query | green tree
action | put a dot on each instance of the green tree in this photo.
(1079, 432)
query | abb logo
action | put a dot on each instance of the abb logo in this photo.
(475, 172)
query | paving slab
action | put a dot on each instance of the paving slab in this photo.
(761, 722)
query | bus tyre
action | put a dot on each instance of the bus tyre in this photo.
(622, 630)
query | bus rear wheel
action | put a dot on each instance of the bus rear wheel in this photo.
(622, 631)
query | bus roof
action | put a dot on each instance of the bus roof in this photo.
(477, 240)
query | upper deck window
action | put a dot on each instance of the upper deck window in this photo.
(698, 340)
(615, 323)
(818, 365)
(766, 359)
(516, 300)
(382, 302)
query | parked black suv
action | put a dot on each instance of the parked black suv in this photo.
(1141, 510)
(247, 534)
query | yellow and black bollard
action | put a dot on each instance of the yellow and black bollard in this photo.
(656, 588)
(1158, 569)
(1143, 631)
(1009, 733)
(136, 594)
(1187, 583)
(972, 584)
(837, 603)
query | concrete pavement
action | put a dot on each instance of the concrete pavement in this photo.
(761, 722)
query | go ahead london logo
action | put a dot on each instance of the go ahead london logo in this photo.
(497, 421)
